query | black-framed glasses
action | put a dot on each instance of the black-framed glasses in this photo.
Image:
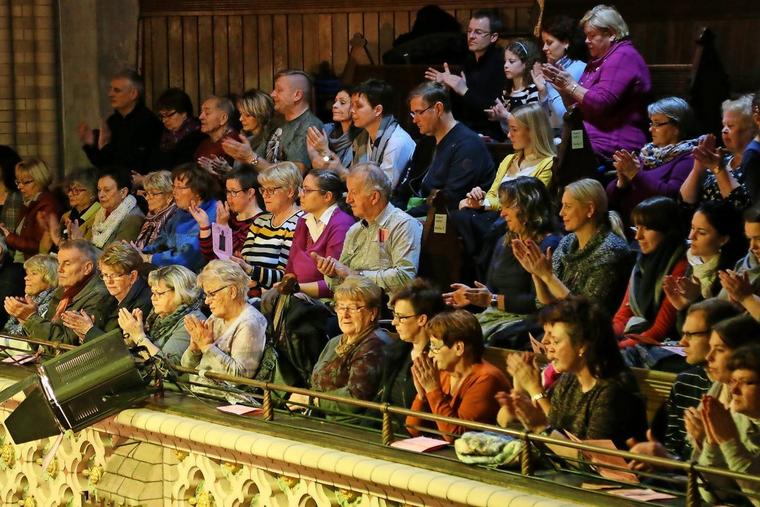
(349, 308)
(267, 191)
(415, 114)
(305, 190)
(211, 294)
(159, 293)
(478, 33)
(658, 124)
(402, 318)
(234, 193)
(690, 334)
(24, 183)
(167, 115)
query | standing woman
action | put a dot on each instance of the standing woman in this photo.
(119, 217)
(337, 137)
(32, 178)
(10, 198)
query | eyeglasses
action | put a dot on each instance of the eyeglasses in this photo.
(106, 277)
(660, 124)
(434, 350)
(211, 294)
(155, 194)
(349, 308)
(266, 191)
(75, 190)
(739, 382)
(690, 334)
(402, 318)
(234, 193)
(167, 115)
(158, 294)
(478, 33)
(305, 190)
(415, 114)
(20, 183)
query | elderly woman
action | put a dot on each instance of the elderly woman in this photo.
(40, 282)
(718, 175)
(256, 110)
(593, 260)
(454, 380)
(78, 220)
(119, 217)
(508, 296)
(613, 90)
(182, 130)
(335, 141)
(32, 178)
(321, 230)
(232, 339)
(351, 363)
(596, 397)
(174, 296)
(662, 165)
(266, 249)
(118, 265)
(11, 201)
(177, 242)
(237, 213)
(161, 208)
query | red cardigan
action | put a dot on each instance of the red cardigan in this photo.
(28, 241)
(474, 400)
(663, 323)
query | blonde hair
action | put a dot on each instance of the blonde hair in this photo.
(590, 191)
(743, 107)
(257, 104)
(178, 278)
(359, 288)
(284, 174)
(534, 118)
(38, 170)
(121, 255)
(158, 180)
(44, 264)
(229, 273)
(607, 18)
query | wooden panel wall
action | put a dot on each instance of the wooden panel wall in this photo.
(227, 46)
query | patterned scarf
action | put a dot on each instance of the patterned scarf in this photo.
(69, 294)
(103, 227)
(170, 138)
(153, 225)
(655, 156)
(160, 328)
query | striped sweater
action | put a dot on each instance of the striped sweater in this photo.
(267, 248)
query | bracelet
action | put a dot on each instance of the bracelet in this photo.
(572, 90)
(206, 228)
(540, 396)
(254, 160)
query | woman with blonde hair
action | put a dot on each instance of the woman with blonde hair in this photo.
(593, 260)
(256, 110)
(82, 194)
(161, 208)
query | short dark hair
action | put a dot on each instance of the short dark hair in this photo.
(330, 181)
(494, 19)
(658, 213)
(425, 300)
(566, 29)
(432, 92)
(715, 310)
(726, 220)
(752, 214)
(199, 180)
(245, 175)
(746, 358)
(119, 175)
(459, 326)
(378, 92)
(175, 99)
(738, 331)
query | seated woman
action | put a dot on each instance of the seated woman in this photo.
(718, 175)
(646, 316)
(742, 283)
(596, 397)
(454, 380)
(119, 217)
(593, 260)
(161, 207)
(321, 230)
(731, 437)
(662, 165)
(182, 130)
(337, 138)
(11, 201)
(118, 264)
(256, 110)
(232, 340)
(177, 242)
(716, 244)
(266, 249)
(237, 213)
(174, 295)
(33, 178)
(40, 282)
(82, 194)
(351, 363)
(508, 295)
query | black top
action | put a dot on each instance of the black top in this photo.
(11, 281)
(485, 82)
(137, 297)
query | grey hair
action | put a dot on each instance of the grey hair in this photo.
(375, 178)
(743, 107)
(360, 288)
(46, 265)
(178, 278)
(85, 247)
(607, 18)
(158, 180)
(229, 273)
(284, 174)
(135, 79)
(678, 110)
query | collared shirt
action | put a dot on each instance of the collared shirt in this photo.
(316, 225)
(386, 250)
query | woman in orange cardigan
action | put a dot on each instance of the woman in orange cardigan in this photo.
(32, 178)
(454, 380)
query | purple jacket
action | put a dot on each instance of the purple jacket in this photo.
(615, 105)
(330, 243)
(664, 180)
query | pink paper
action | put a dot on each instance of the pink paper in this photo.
(239, 410)
(600, 459)
(219, 233)
(420, 444)
(19, 359)
(641, 495)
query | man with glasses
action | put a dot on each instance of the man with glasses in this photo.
(482, 79)
(460, 160)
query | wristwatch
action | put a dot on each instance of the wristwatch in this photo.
(540, 396)
(494, 301)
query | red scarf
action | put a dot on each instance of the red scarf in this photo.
(69, 294)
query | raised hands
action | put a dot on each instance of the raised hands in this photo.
(240, 149)
(498, 112)
(215, 165)
(201, 334)
(78, 321)
(200, 215)
(681, 291)
(131, 323)
(21, 308)
(717, 421)
(425, 374)
(737, 285)
(457, 83)
(222, 213)
(529, 255)
(626, 165)
(462, 295)
(706, 154)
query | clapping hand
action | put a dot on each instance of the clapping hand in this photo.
(694, 426)
(558, 76)
(538, 77)
(462, 295)
(652, 447)
(531, 259)
(131, 324)
(680, 291)
(706, 154)
(201, 334)
(626, 165)
(331, 267)
(214, 165)
(473, 199)
(240, 149)
(498, 112)
(717, 421)
(457, 83)
(21, 308)
(78, 321)
(737, 285)
(222, 213)
(200, 215)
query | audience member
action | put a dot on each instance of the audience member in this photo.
(11, 202)
(614, 89)
(174, 296)
(233, 338)
(742, 284)
(40, 282)
(178, 243)
(718, 174)
(593, 260)
(453, 379)
(130, 137)
(321, 230)
(482, 81)
(337, 137)
(119, 217)
(33, 177)
(80, 289)
(216, 122)
(662, 165)
(182, 130)
(266, 249)
(81, 191)
(384, 245)
(11, 276)
(161, 208)
(256, 110)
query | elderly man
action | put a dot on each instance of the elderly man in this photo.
(482, 80)
(461, 160)
(384, 245)
(80, 290)
(287, 141)
(215, 117)
(129, 138)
